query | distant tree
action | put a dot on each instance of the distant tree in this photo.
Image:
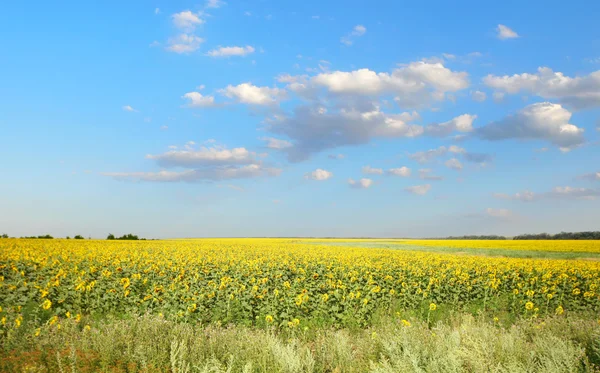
(79, 237)
(4, 235)
(110, 236)
(68, 238)
(129, 236)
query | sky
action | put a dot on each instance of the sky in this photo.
(288, 118)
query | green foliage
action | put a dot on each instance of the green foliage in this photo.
(79, 237)
(4, 236)
(461, 343)
(110, 236)
(595, 235)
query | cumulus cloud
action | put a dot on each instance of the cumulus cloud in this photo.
(418, 189)
(319, 175)
(504, 32)
(363, 183)
(197, 100)
(413, 85)
(231, 51)
(498, 97)
(371, 170)
(187, 20)
(191, 158)
(250, 94)
(478, 96)
(203, 164)
(211, 174)
(462, 123)
(400, 171)
(276, 144)
(580, 92)
(314, 130)
(357, 31)
(129, 108)
(184, 43)
(454, 164)
(540, 121)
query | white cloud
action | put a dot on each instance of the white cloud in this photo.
(430, 155)
(363, 183)
(454, 164)
(505, 32)
(357, 31)
(419, 189)
(580, 92)
(401, 171)
(478, 96)
(184, 43)
(372, 171)
(214, 3)
(276, 144)
(196, 99)
(156, 10)
(191, 158)
(498, 213)
(250, 94)
(314, 129)
(462, 123)
(417, 83)
(195, 175)
(231, 51)
(129, 108)
(319, 175)
(541, 121)
(187, 20)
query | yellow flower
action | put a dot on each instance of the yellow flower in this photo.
(269, 319)
(47, 304)
(432, 306)
(549, 296)
(296, 322)
(78, 318)
(405, 323)
(3, 321)
(576, 291)
(496, 320)
(559, 310)
(87, 328)
(529, 306)
(68, 314)
(37, 333)
(516, 291)
(18, 321)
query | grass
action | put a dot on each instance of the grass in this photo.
(525, 254)
(461, 343)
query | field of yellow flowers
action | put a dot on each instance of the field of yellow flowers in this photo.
(280, 282)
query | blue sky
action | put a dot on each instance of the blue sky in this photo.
(280, 118)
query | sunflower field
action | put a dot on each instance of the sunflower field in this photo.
(284, 283)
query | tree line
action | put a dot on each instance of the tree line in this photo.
(111, 236)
